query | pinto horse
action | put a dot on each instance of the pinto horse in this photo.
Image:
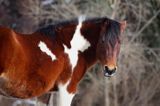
(57, 56)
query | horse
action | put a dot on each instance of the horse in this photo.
(57, 56)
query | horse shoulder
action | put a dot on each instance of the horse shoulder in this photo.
(11, 52)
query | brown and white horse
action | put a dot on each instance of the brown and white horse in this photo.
(57, 56)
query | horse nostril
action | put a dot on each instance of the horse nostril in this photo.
(106, 67)
(109, 72)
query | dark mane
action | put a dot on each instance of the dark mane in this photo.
(111, 35)
(112, 32)
(49, 30)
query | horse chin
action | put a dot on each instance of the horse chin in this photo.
(108, 75)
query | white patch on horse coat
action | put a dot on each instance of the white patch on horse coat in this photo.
(65, 97)
(78, 43)
(43, 47)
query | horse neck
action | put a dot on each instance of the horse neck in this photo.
(65, 34)
(90, 31)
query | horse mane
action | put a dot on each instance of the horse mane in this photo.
(113, 30)
(49, 30)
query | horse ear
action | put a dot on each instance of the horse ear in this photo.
(123, 26)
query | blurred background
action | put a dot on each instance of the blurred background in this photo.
(137, 82)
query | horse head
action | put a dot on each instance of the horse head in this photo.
(108, 46)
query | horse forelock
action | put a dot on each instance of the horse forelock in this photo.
(110, 36)
(112, 33)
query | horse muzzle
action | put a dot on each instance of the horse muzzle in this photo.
(108, 72)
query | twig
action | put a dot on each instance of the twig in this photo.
(116, 6)
(145, 26)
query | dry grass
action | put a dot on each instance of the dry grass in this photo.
(136, 82)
